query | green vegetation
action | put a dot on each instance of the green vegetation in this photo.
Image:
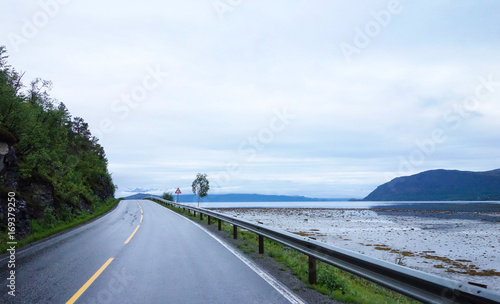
(338, 284)
(169, 196)
(56, 168)
(200, 186)
(49, 225)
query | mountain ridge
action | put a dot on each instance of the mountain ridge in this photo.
(242, 197)
(441, 185)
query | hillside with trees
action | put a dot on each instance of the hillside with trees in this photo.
(441, 185)
(49, 159)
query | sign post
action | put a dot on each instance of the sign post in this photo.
(178, 191)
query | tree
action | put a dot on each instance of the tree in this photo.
(62, 169)
(200, 186)
(168, 196)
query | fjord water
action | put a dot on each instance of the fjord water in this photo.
(464, 206)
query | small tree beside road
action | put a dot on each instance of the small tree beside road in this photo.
(200, 186)
(168, 196)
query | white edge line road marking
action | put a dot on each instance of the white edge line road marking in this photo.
(282, 289)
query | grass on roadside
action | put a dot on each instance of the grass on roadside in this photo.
(336, 283)
(48, 225)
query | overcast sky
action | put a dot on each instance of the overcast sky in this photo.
(314, 98)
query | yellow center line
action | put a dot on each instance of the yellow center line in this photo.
(130, 237)
(141, 217)
(89, 282)
(141, 211)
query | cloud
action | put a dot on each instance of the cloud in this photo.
(354, 120)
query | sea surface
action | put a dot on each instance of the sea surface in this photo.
(463, 206)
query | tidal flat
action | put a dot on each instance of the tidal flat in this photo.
(463, 246)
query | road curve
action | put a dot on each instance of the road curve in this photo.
(140, 252)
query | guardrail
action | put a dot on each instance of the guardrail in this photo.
(418, 285)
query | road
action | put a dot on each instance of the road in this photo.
(140, 252)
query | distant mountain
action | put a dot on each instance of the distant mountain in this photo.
(441, 185)
(140, 190)
(237, 197)
(139, 196)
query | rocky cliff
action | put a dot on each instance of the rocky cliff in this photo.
(9, 182)
(49, 160)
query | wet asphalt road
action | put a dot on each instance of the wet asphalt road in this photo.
(168, 260)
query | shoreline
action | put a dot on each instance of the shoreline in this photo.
(483, 215)
(463, 246)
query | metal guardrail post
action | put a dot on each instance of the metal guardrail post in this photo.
(209, 218)
(235, 232)
(312, 271)
(201, 216)
(219, 225)
(261, 244)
